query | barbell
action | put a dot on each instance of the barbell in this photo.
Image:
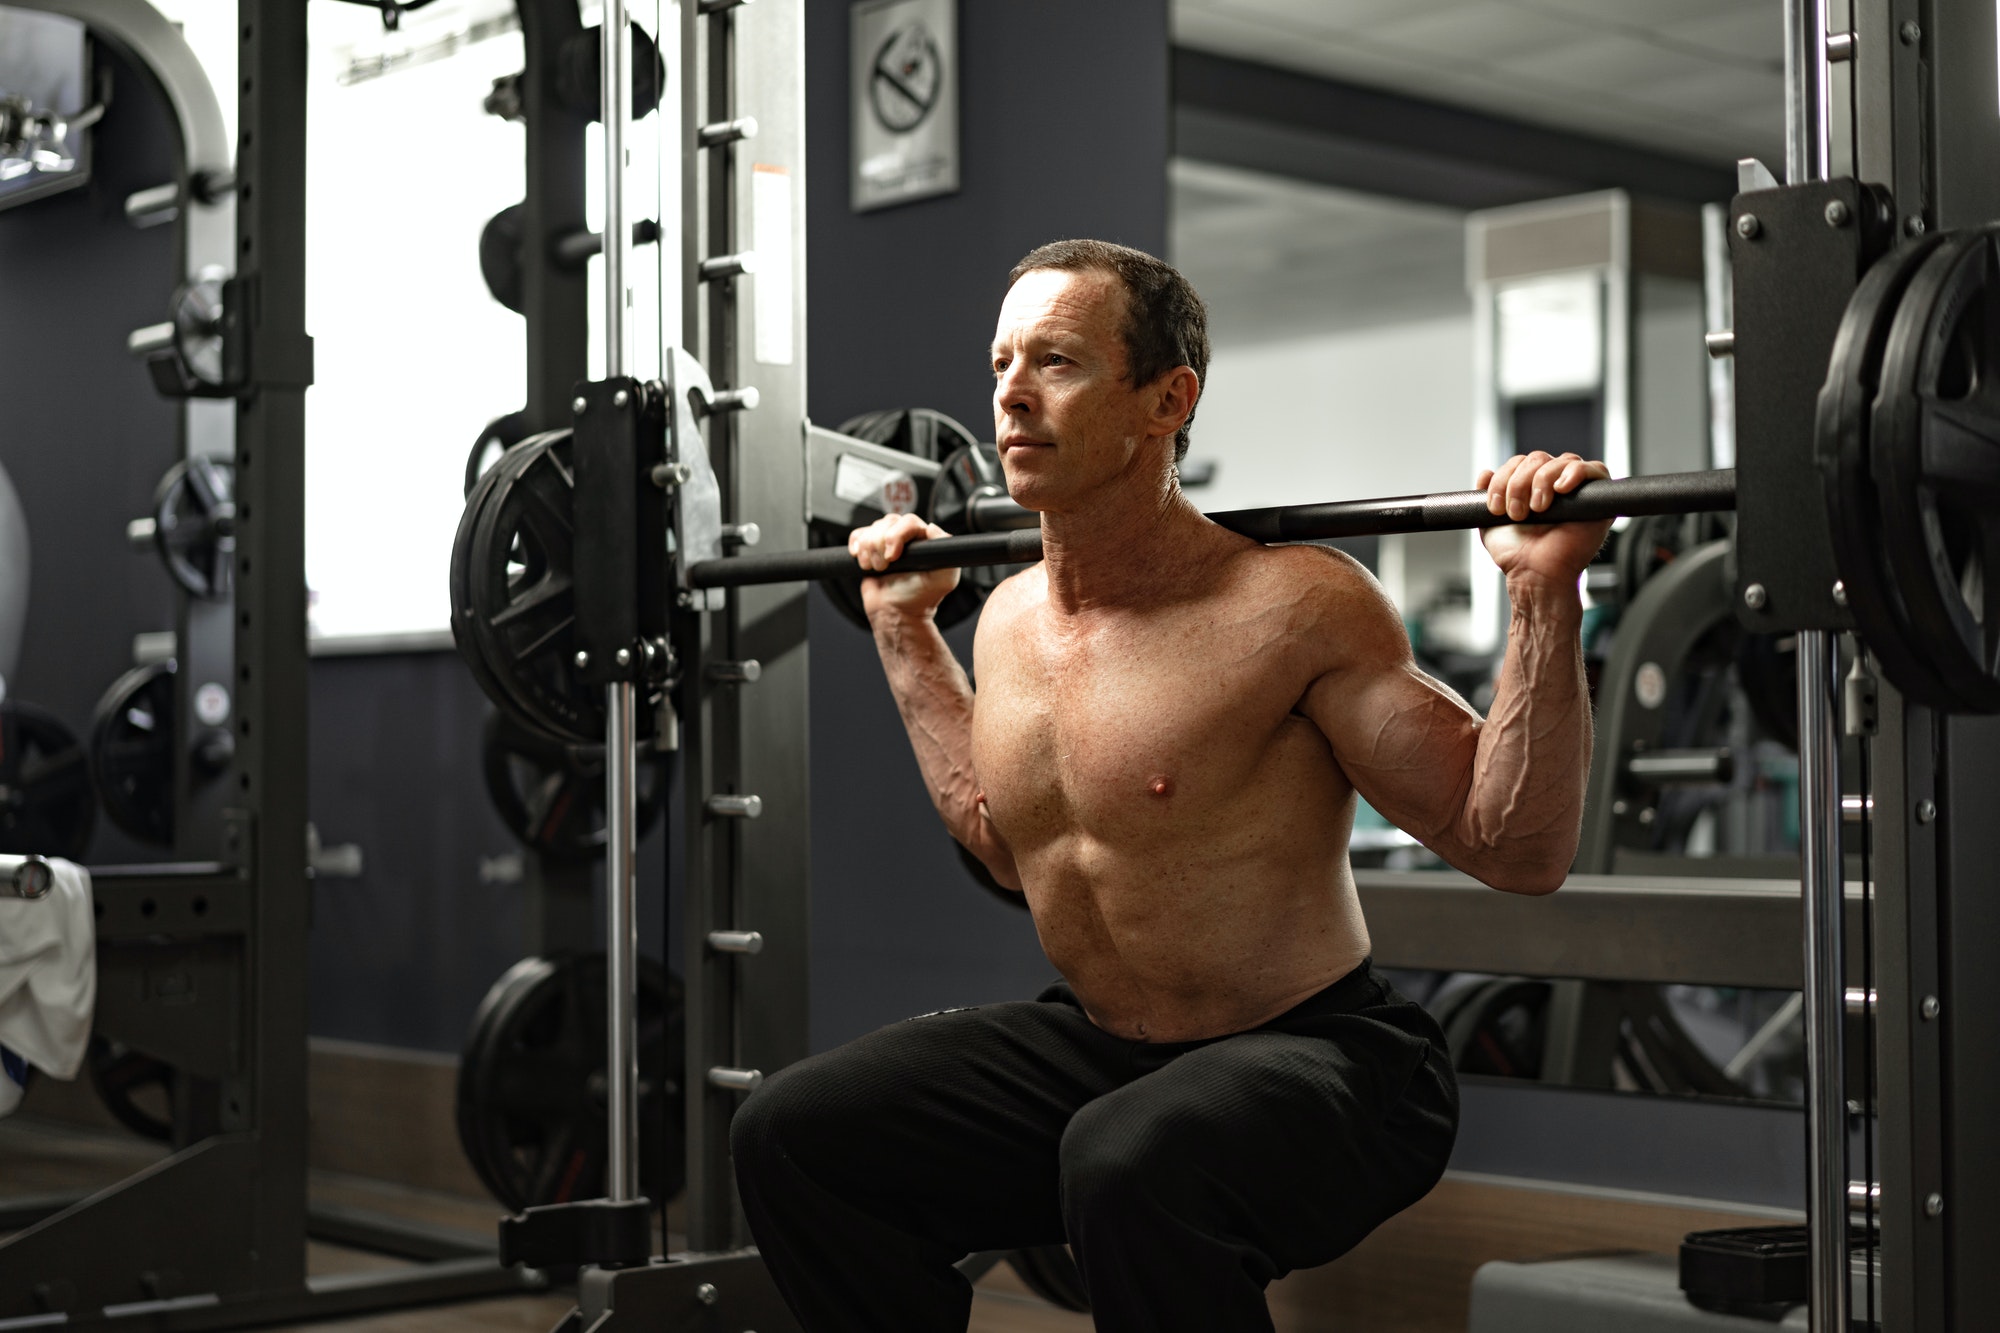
(1907, 440)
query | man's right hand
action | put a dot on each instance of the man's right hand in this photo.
(880, 543)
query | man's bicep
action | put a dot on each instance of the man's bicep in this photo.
(1405, 740)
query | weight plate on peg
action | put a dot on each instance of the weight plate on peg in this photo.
(1843, 432)
(500, 243)
(461, 596)
(132, 752)
(500, 435)
(194, 525)
(551, 795)
(521, 597)
(929, 435)
(47, 806)
(532, 1086)
(198, 326)
(1935, 447)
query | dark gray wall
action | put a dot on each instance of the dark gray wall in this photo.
(1063, 109)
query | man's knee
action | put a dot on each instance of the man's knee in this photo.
(1116, 1159)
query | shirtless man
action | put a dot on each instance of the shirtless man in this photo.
(1171, 726)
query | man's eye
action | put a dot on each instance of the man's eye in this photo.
(1057, 359)
(999, 365)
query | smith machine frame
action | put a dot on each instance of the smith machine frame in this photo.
(202, 960)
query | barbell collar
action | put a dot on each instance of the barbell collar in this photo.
(1669, 493)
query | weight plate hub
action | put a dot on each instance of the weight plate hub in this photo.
(551, 795)
(47, 806)
(132, 752)
(532, 1085)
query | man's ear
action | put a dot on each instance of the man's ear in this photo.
(1174, 396)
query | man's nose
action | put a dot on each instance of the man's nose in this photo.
(1010, 390)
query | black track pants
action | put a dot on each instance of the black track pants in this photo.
(1186, 1176)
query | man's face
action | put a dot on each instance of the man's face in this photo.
(1064, 415)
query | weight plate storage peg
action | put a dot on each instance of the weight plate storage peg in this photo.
(551, 795)
(132, 752)
(1935, 454)
(532, 1086)
(47, 806)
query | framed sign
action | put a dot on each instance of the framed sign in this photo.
(903, 86)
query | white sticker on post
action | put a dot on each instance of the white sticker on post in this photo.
(862, 481)
(771, 236)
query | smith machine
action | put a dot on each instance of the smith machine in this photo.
(618, 604)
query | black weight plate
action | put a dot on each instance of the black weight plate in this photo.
(194, 525)
(1500, 1028)
(500, 243)
(136, 1088)
(551, 795)
(1049, 1272)
(132, 752)
(915, 430)
(969, 472)
(521, 596)
(1935, 450)
(1842, 431)
(500, 435)
(47, 805)
(531, 1089)
(462, 612)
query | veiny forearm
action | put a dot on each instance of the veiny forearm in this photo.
(935, 699)
(1523, 808)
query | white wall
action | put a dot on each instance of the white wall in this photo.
(1384, 411)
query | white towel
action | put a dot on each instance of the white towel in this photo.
(48, 977)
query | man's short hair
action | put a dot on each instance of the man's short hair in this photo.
(1166, 324)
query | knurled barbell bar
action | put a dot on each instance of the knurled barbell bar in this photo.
(1669, 493)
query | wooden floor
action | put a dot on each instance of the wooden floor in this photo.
(42, 1158)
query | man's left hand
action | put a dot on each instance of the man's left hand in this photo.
(1554, 553)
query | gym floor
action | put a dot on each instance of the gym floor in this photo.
(41, 1157)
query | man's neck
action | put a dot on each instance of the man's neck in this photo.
(1122, 547)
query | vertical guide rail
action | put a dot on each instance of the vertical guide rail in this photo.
(1825, 986)
(622, 939)
(1808, 135)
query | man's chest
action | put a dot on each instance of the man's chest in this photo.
(1132, 723)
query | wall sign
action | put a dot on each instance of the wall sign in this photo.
(903, 86)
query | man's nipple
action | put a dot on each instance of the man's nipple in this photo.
(1161, 786)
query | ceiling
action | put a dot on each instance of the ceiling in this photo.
(1701, 78)
(1277, 259)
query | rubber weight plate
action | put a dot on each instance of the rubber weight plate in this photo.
(47, 805)
(532, 1085)
(928, 435)
(1935, 456)
(132, 752)
(194, 525)
(500, 435)
(970, 473)
(520, 601)
(551, 795)
(462, 612)
(1843, 430)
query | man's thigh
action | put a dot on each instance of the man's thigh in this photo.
(951, 1121)
(1296, 1145)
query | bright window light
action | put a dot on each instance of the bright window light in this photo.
(1550, 335)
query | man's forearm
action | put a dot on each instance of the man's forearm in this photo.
(935, 700)
(1523, 810)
